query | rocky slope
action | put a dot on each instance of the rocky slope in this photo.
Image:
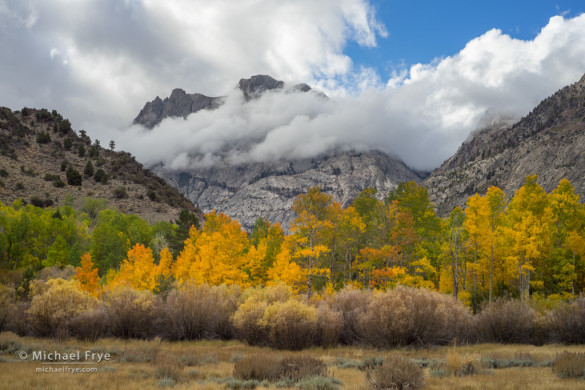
(549, 142)
(38, 147)
(249, 191)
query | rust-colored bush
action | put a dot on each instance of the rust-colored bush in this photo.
(330, 326)
(396, 373)
(506, 322)
(290, 325)
(132, 313)
(297, 367)
(567, 322)
(18, 319)
(411, 316)
(289, 369)
(89, 325)
(351, 303)
(195, 312)
(258, 367)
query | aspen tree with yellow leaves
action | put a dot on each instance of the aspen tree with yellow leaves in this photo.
(529, 228)
(476, 224)
(309, 232)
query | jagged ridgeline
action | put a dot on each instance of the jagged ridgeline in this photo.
(44, 162)
(251, 190)
(549, 141)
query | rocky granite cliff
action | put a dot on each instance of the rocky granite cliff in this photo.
(181, 104)
(549, 142)
(249, 191)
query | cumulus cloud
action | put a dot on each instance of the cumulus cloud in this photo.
(421, 116)
(115, 55)
(99, 61)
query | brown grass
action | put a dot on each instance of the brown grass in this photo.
(216, 360)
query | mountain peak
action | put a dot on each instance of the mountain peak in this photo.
(181, 103)
(256, 85)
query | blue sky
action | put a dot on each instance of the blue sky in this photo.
(420, 31)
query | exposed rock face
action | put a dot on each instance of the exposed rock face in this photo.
(549, 142)
(246, 192)
(179, 104)
(256, 85)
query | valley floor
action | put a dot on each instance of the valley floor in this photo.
(210, 365)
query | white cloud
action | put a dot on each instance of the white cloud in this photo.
(421, 116)
(121, 54)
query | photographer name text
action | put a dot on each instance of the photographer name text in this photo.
(75, 356)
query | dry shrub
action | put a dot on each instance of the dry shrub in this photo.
(330, 326)
(9, 342)
(11, 277)
(297, 367)
(89, 325)
(195, 312)
(351, 303)
(6, 301)
(258, 367)
(276, 293)
(506, 322)
(131, 313)
(461, 364)
(567, 322)
(246, 320)
(51, 312)
(18, 319)
(67, 272)
(290, 325)
(396, 373)
(406, 316)
(290, 369)
(570, 365)
(167, 365)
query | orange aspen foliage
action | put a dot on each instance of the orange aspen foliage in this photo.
(87, 276)
(386, 277)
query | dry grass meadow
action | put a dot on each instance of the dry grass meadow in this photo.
(210, 365)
